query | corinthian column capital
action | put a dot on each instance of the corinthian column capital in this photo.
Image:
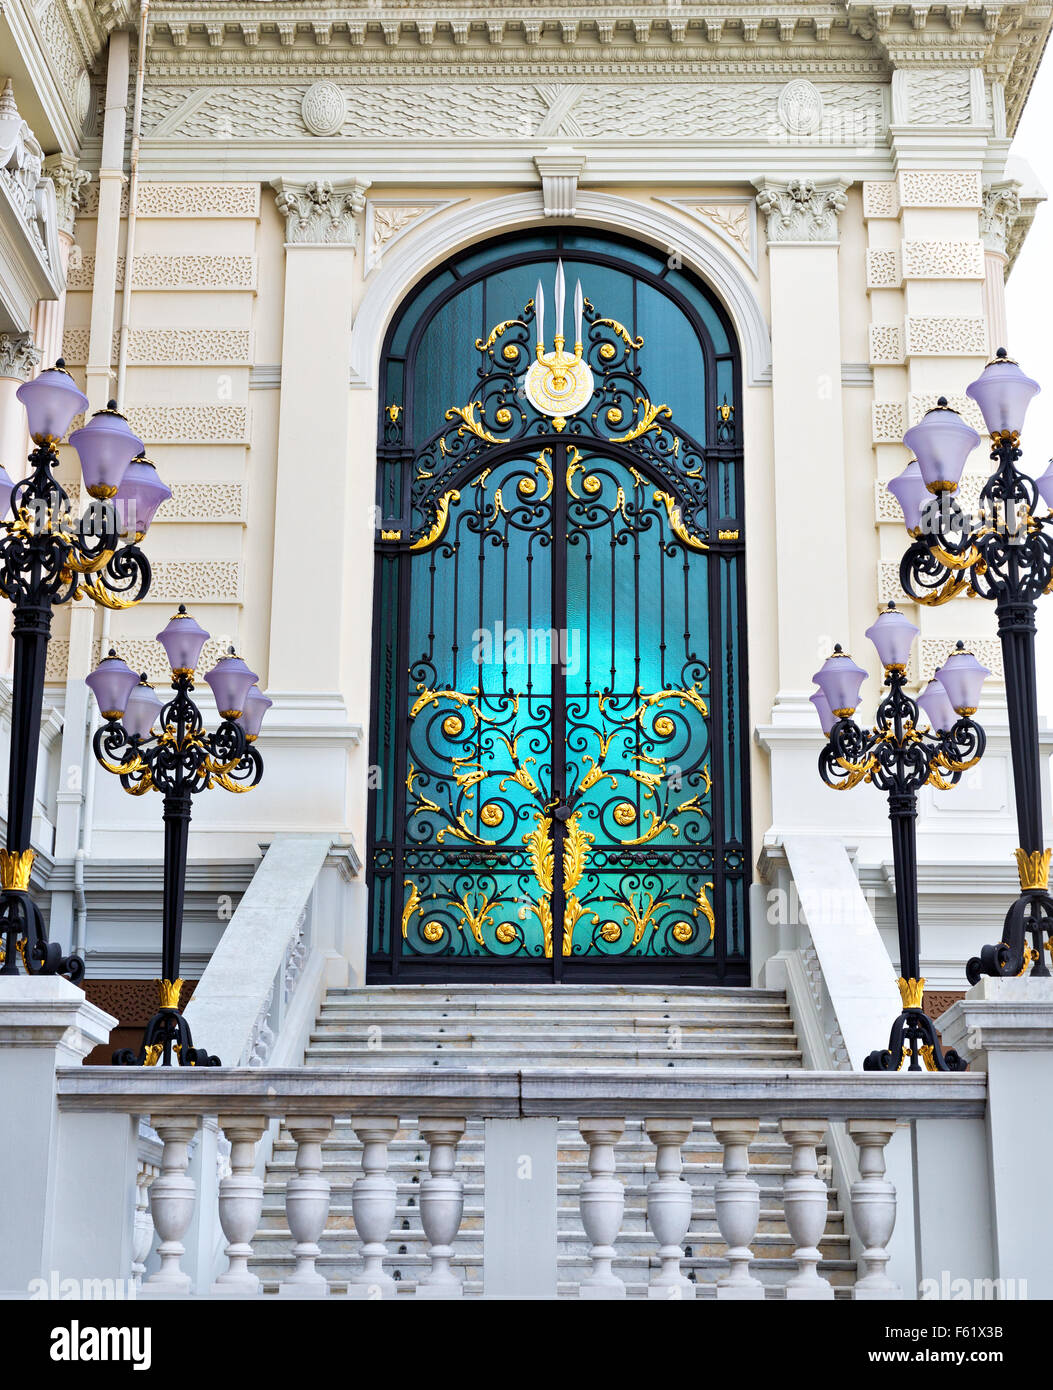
(18, 355)
(801, 209)
(69, 180)
(1001, 205)
(320, 213)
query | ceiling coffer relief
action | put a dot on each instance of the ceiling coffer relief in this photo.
(800, 209)
(319, 213)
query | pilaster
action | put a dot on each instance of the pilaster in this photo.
(811, 594)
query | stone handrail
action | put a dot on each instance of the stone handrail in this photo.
(379, 1102)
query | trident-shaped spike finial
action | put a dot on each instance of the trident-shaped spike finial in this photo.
(561, 292)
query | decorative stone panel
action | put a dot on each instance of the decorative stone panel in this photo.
(889, 421)
(168, 347)
(939, 96)
(939, 188)
(195, 581)
(886, 344)
(880, 199)
(889, 590)
(155, 272)
(887, 509)
(202, 501)
(56, 661)
(934, 651)
(198, 200)
(945, 336)
(883, 270)
(190, 424)
(943, 260)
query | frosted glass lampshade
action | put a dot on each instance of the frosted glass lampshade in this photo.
(52, 402)
(1044, 483)
(140, 494)
(941, 441)
(256, 706)
(1003, 393)
(937, 707)
(105, 446)
(7, 487)
(144, 705)
(909, 490)
(840, 680)
(962, 676)
(112, 682)
(231, 681)
(893, 634)
(182, 640)
(823, 710)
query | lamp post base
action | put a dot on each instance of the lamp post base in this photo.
(914, 1037)
(1031, 914)
(167, 1042)
(23, 935)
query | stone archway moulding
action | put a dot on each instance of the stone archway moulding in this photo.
(401, 267)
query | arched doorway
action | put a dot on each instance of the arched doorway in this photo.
(559, 651)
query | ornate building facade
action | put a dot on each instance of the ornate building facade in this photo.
(301, 245)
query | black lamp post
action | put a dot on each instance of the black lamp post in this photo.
(180, 761)
(899, 758)
(47, 559)
(1005, 555)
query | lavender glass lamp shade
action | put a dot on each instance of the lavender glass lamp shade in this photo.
(909, 490)
(840, 679)
(962, 677)
(937, 708)
(52, 402)
(144, 705)
(893, 636)
(231, 681)
(941, 441)
(182, 640)
(255, 707)
(112, 682)
(106, 446)
(823, 710)
(7, 487)
(140, 494)
(1045, 485)
(1003, 393)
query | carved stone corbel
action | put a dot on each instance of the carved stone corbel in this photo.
(560, 171)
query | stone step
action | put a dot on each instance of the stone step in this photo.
(518, 994)
(667, 1037)
(323, 1054)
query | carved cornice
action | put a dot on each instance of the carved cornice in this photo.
(320, 213)
(800, 210)
(1000, 209)
(18, 356)
(69, 180)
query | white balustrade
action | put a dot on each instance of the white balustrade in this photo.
(602, 1203)
(142, 1222)
(737, 1200)
(441, 1206)
(172, 1196)
(240, 1203)
(307, 1206)
(873, 1208)
(374, 1201)
(804, 1200)
(669, 1207)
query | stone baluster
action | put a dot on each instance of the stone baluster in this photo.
(441, 1206)
(172, 1197)
(873, 1208)
(374, 1199)
(669, 1207)
(142, 1222)
(602, 1204)
(240, 1203)
(737, 1200)
(804, 1200)
(307, 1206)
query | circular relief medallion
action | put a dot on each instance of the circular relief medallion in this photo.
(432, 931)
(559, 384)
(82, 96)
(491, 814)
(663, 726)
(801, 107)
(323, 108)
(610, 931)
(625, 813)
(505, 933)
(452, 725)
(683, 931)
